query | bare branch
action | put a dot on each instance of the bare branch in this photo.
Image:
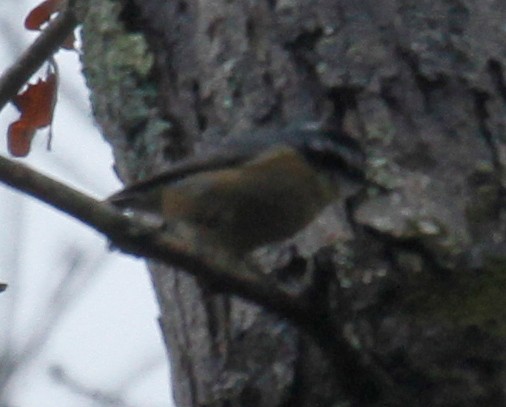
(226, 275)
(96, 396)
(44, 47)
(139, 238)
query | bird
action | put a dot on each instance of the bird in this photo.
(252, 190)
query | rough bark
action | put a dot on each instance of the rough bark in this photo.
(414, 279)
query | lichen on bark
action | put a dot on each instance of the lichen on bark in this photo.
(118, 66)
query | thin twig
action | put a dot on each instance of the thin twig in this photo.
(48, 42)
(96, 396)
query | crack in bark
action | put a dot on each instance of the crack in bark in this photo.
(496, 74)
(184, 357)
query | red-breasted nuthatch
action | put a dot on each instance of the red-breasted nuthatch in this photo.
(252, 191)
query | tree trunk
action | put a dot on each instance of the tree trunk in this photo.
(411, 280)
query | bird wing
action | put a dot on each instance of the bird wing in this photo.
(220, 159)
(235, 151)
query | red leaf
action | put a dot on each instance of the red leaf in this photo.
(19, 138)
(36, 103)
(42, 14)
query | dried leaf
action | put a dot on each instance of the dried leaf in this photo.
(36, 105)
(19, 138)
(42, 14)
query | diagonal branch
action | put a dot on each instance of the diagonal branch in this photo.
(46, 44)
(139, 238)
(360, 378)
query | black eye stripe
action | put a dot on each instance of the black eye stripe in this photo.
(339, 154)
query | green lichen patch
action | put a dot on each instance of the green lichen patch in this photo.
(467, 298)
(118, 68)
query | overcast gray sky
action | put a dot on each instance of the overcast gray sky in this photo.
(106, 336)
